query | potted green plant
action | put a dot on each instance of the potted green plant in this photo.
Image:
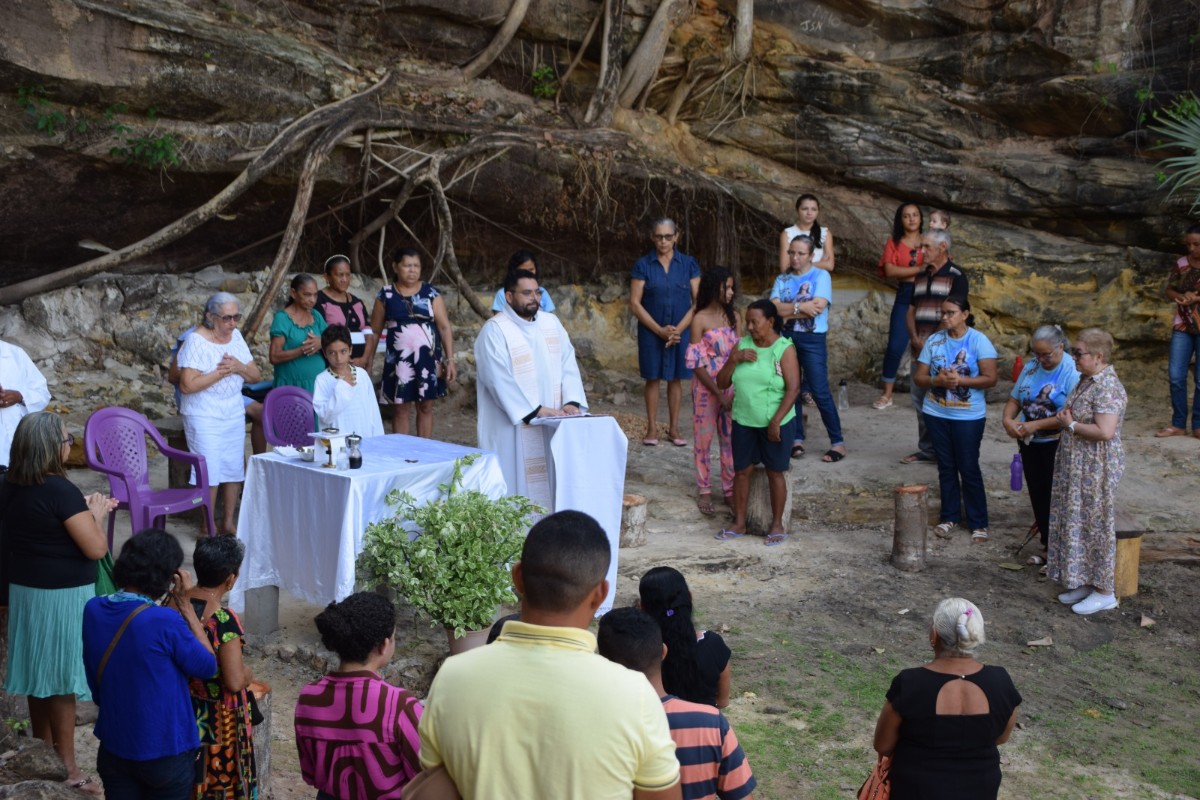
(456, 569)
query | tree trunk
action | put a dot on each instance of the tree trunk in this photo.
(283, 144)
(743, 36)
(643, 64)
(446, 244)
(604, 101)
(516, 15)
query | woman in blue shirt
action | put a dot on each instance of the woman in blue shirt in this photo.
(523, 259)
(957, 364)
(138, 657)
(1029, 417)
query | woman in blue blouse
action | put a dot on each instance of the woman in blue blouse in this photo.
(138, 656)
(957, 364)
(662, 291)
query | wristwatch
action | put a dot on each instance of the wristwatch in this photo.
(796, 309)
(1071, 427)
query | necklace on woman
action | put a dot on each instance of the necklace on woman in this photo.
(1082, 393)
(352, 379)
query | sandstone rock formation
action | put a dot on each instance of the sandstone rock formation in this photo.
(1027, 119)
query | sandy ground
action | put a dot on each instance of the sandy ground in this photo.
(819, 625)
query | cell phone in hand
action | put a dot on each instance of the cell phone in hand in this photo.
(198, 606)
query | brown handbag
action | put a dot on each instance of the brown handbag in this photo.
(431, 784)
(878, 785)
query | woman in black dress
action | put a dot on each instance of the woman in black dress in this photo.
(696, 668)
(942, 722)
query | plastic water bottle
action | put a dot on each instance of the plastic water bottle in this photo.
(843, 395)
(1016, 470)
(1018, 365)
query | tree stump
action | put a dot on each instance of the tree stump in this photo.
(758, 503)
(633, 520)
(172, 430)
(262, 736)
(1129, 552)
(912, 519)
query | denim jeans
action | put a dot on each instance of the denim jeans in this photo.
(1183, 345)
(897, 341)
(924, 441)
(810, 351)
(956, 443)
(167, 778)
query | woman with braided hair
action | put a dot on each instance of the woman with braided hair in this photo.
(696, 668)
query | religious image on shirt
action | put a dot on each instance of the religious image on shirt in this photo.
(1041, 402)
(957, 357)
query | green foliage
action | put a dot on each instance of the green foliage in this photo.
(34, 100)
(1179, 126)
(457, 570)
(545, 81)
(151, 152)
(1144, 94)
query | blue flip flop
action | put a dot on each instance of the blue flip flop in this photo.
(776, 539)
(725, 535)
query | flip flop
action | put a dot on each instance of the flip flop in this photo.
(775, 539)
(832, 456)
(1170, 430)
(797, 450)
(650, 442)
(1035, 561)
(725, 536)
(704, 504)
(808, 399)
(917, 458)
(881, 404)
(84, 786)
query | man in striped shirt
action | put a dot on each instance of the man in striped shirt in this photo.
(712, 764)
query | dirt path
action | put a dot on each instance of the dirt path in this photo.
(819, 625)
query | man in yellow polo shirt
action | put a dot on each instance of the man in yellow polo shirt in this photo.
(538, 714)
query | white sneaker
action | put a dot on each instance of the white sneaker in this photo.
(1074, 596)
(1095, 602)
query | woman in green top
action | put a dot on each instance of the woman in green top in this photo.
(296, 337)
(765, 376)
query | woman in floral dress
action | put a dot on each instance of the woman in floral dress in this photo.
(221, 703)
(715, 333)
(1087, 469)
(420, 344)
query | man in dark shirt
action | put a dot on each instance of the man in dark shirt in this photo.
(941, 279)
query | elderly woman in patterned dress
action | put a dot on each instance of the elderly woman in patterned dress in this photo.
(1087, 469)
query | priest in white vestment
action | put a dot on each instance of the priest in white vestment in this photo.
(23, 391)
(525, 368)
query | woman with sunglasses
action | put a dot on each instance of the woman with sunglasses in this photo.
(902, 260)
(53, 537)
(662, 291)
(956, 365)
(214, 362)
(1087, 469)
(1030, 418)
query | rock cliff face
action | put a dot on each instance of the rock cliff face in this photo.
(1027, 119)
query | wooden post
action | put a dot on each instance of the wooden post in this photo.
(633, 520)
(908, 537)
(1129, 551)
(758, 503)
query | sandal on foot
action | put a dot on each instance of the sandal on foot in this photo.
(797, 450)
(774, 539)
(1035, 561)
(725, 535)
(808, 399)
(979, 535)
(944, 530)
(1042, 571)
(917, 458)
(881, 404)
(1170, 430)
(705, 505)
(832, 456)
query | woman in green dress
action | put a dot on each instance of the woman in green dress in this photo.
(296, 336)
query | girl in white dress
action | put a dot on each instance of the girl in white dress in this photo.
(343, 396)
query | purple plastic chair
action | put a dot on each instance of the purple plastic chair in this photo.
(288, 417)
(114, 443)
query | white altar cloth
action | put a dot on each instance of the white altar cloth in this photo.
(303, 525)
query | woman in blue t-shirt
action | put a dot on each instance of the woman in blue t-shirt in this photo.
(957, 364)
(1029, 417)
